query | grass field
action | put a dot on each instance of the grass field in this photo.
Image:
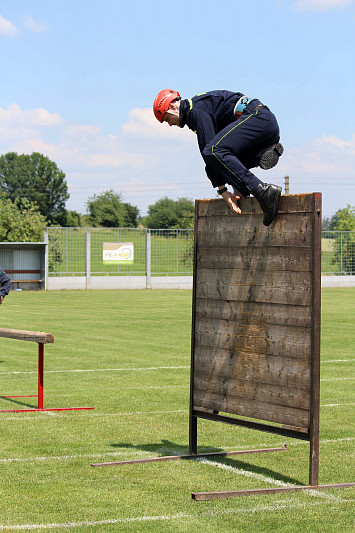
(127, 353)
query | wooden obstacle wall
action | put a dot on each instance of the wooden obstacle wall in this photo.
(256, 313)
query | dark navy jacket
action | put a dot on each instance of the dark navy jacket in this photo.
(208, 113)
(5, 283)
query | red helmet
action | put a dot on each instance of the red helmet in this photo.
(162, 101)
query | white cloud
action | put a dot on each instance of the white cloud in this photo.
(74, 145)
(13, 115)
(320, 5)
(7, 28)
(328, 157)
(142, 123)
(35, 26)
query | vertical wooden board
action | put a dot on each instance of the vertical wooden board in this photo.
(254, 299)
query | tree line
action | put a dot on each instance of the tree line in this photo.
(34, 192)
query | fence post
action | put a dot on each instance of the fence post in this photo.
(148, 259)
(46, 251)
(88, 258)
(341, 253)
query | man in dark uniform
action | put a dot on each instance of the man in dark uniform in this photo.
(234, 133)
(5, 285)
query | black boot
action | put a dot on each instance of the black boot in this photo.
(270, 157)
(268, 196)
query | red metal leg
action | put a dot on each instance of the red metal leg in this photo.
(40, 374)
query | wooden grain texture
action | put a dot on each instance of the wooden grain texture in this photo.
(243, 389)
(22, 335)
(253, 312)
(293, 230)
(253, 367)
(257, 338)
(251, 408)
(252, 259)
(293, 288)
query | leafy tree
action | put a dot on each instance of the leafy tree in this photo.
(167, 214)
(73, 219)
(39, 180)
(328, 223)
(108, 210)
(55, 248)
(344, 243)
(20, 221)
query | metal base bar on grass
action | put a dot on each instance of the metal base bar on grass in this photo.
(204, 496)
(192, 456)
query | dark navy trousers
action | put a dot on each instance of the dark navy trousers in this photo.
(234, 150)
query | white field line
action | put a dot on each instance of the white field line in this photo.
(277, 506)
(59, 414)
(162, 450)
(265, 479)
(337, 379)
(141, 369)
(337, 404)
(337, 361)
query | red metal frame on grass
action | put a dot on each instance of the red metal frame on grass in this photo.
(41, 339)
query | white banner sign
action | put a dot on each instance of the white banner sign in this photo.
(118, 253)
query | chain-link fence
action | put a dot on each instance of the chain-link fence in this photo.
(161, 252)
(338, 253)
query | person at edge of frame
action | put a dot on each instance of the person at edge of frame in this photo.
(5, 285)
(234, 133)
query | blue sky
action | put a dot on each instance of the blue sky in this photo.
(79, 78)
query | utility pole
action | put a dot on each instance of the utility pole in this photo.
(287, 184)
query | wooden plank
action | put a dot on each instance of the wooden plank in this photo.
(255, 312)
(26, 280)
(291, 288)
(255, 368)
(247, 258)
(293, 203)
(265, 339)
(22, 335)
(247, 390)
(292, 230)
(23, 271)
(251, 408)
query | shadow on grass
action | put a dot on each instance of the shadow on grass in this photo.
(18, 403)
(168, 448)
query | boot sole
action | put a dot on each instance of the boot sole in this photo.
(270, 158)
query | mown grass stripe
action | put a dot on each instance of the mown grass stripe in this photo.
(278, 505)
